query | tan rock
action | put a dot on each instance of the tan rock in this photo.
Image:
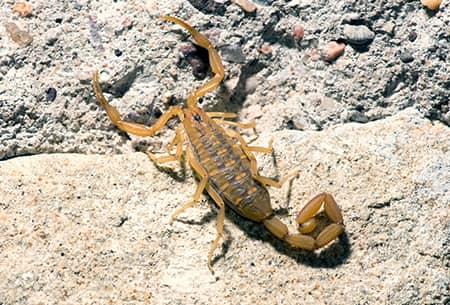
(90, 229)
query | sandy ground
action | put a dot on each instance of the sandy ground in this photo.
(95, 229)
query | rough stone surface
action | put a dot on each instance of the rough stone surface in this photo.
(93, 229)
(137, 55)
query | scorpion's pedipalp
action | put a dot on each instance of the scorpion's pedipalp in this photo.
(214, 61)
(129, 127)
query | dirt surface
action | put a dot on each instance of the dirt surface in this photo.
(95, 229)
(370, 126)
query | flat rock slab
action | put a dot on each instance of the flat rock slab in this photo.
(94, 229)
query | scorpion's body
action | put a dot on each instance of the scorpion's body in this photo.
(226, 166)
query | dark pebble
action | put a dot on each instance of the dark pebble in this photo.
(406, 57)
(197, 57)
(157, 113)
(50, 94)
(117, 52)
(59, 20)
(412, 36)
(172, 101)
(233, 53)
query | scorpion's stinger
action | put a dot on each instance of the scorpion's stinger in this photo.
(214, 61)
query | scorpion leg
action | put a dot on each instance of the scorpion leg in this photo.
(200, 188)
(132, 128)
(222, 115)
(274, 183)
(253, 166)
(178, 141)
(307, 221)
(214, 60)
(240, 125)
(219, 225)
(249, 149)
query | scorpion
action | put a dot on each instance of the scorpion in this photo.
(225, 165)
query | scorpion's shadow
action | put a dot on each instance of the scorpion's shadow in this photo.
(332, 256)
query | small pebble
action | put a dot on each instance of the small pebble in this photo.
(117, 52)
(389, 27)
(432, 4)
(50, 94)
(351, 18)
(406, 57)
(22, 38)
(412, 36)
(358, 34)
(51, 36)
(333, 50)
(231, 84)
(205, 6)
(170, 99)
(246, 5)
(356, 116)
(314, 55)
(265, 49)
(232, 53)
(251, 84)
(23, 9)
(298, 32)
(298, 122)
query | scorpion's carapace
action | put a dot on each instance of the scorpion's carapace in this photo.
(226, 166)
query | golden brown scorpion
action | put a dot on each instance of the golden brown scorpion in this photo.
(225, 163)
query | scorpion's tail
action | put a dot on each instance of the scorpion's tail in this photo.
(309, 237)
